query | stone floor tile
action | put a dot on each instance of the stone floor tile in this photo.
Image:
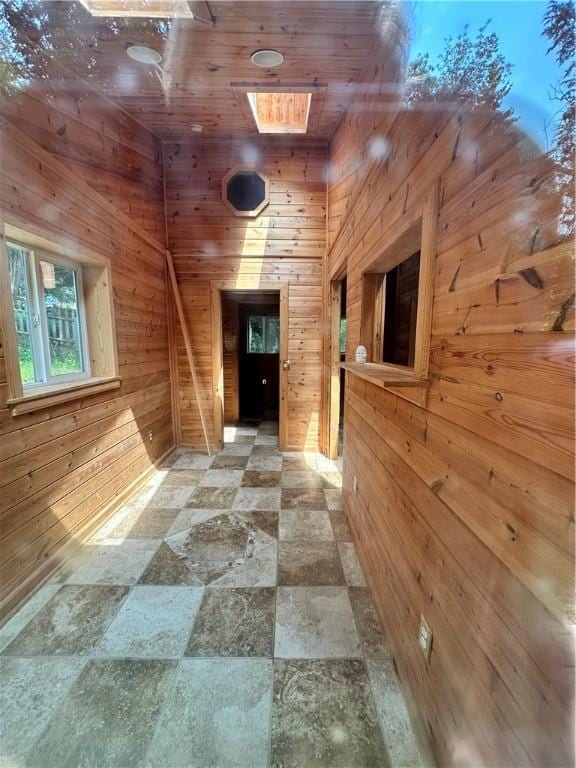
(30, 692)
(261, 478)
(351, 564)
(108, 717)
(309, 526)
(115, 561)
(270, 463)
(340, 525)
(302, 498)
(324, 716)
(333, 498)
(309, 563)
(30, 608)
(70, 624)
(291, 479)
(394, 719)
(374, 644)
(153, 622)
(257, 498)
(222, 478)
(315, 622)
(218, 715)
(211, 498)
(193, 461)
(224, 461)
(234, 622)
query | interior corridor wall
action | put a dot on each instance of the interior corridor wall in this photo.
(464, 507)
(76, 169)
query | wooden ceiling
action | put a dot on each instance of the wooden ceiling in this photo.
(324, 44)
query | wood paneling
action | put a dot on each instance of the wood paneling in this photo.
(323, 42)
(64, 467)
(230, 338)
(284, 244)
(464, 510)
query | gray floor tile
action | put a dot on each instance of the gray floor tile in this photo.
(315, 623)
(182, 477)
(340, 525)
(333, 497)
(309, 526)
(303, 498)
(296, 479)
(261, 478)
(71, 623)
(218, 715)
(257, 499)
(140, 524)
(351, 565)
(211, 498)
(222, 478)
(153, 622)
(267, 463)
(223, 461)
(324, 716)
(193, 461)
(309, 563)
(17, 623)
(236, 449)
(394, 719)
(30, 692)
(234, 622)
(374, 644)
(107, 719)
(172, 496)
(115, 561)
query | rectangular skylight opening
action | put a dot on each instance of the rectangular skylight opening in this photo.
(280, 112)
(167, 9)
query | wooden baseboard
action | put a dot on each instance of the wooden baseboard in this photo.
(12, 602)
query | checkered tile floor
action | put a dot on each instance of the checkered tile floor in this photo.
(220, 618)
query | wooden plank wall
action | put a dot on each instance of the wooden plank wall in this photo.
(75, 167)
(230, 333)
(464, 508)
(286, 243)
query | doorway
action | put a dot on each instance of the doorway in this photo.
(338, 335)
(249, 355)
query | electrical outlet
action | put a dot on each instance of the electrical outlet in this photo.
(355, 486)
(425, 638)
(150, 436)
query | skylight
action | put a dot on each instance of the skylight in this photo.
(280, 112)
(139, 8)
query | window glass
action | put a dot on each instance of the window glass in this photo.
(272, 334)
(342, 335)
(18, 267)
(255, 334)
(61, 305)
(263, 334)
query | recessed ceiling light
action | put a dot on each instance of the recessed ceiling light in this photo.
(267, 58)
(143, 54)
(196, 128)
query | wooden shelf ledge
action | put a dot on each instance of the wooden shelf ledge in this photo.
(48, 396)
(385, 376)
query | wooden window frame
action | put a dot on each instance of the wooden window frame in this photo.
(97, 300)
(417, 231)
(255, 212)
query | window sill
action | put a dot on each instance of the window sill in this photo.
(46, 397)
(385, 376)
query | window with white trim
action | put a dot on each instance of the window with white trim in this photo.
(49, 317)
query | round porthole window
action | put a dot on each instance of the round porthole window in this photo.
(245, 192)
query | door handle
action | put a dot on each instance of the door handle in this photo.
(286, 365)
